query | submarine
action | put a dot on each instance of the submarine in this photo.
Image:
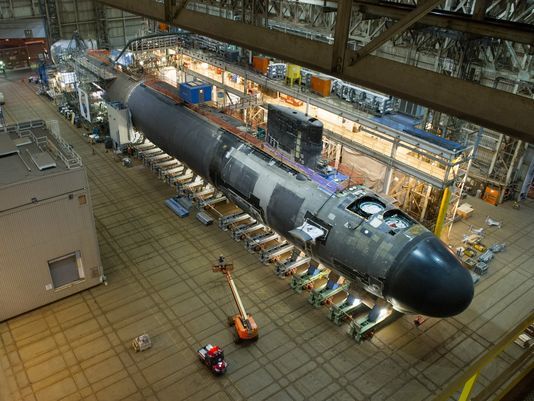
(354, 231)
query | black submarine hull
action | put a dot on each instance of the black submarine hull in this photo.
(365, 238)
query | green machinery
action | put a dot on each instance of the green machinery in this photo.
(324, 295)
(341, 312)
(364, 327)
(305, 281)
(260, 133)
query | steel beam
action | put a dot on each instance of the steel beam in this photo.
(482, 105)
(502, 111)
(344, 12)
(490, 27)
(400, 26)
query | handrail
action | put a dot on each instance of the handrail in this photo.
(469, 377)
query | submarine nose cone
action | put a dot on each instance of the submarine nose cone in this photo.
(429, 280)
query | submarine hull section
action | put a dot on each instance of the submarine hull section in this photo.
(364, 237)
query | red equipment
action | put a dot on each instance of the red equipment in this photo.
(213, 357)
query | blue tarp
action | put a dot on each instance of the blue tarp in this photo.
(406, 124)
(126, 59)
(176, 207)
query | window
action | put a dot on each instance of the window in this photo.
(66, 270)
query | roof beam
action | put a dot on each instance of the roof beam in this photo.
(400, 26)
(502, 111)
(476, 25)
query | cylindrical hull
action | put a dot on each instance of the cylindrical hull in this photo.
(364, 238)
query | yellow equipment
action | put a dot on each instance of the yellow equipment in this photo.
(292, 74)
(245, 326)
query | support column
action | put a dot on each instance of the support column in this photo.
(425, 202)
(337, 157)
(387, 179)
(223, 86)
(518, 146)
(341, 34)
(442, 211)
(389, 170)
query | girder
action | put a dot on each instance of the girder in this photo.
(491, 27)
(505, 112)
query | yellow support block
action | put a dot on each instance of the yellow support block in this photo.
(468, 388)
(442, 211)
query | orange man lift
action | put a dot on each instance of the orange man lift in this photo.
(245, 326)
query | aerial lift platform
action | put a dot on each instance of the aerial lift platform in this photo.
(245, 326)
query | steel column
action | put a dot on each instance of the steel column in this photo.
(344, 12)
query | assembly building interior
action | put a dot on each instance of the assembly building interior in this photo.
(266, 200)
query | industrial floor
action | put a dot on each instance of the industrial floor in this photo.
(160, 282)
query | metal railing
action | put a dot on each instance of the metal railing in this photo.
(64, 151)
(467, 380)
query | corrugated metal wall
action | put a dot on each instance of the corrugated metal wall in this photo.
(111, 27)
(19, 9)
(31, 234)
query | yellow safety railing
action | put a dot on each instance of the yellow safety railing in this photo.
(467, 380)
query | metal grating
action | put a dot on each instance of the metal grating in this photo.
(43, 160)
(7, 147)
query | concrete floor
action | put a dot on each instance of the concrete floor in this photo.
(160, 282)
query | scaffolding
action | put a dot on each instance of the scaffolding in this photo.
(152, 43)
(423, 171)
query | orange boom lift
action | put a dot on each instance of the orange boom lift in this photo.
(245, 326)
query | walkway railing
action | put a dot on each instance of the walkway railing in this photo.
(522, 366)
